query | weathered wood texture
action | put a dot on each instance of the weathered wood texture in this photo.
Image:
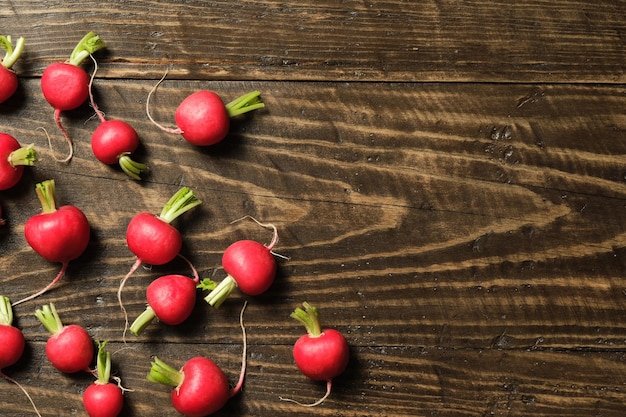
(396, 40)
(468, 238)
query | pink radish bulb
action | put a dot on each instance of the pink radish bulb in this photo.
(13, 158)
(250, 265)
(103, 398)
(152, 239)
(200, 386)
(321, 354)
(69, 348)
(114, 140)
(57, 234)
(8, 77)
(202, 118)
(65, 85)
(171, 299)
(12, 344)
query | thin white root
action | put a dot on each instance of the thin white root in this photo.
(91, 99)
(329, 384)
(266, 225)
(119, 296)
(244, 354)
(176, 131)
(67, 158)
(8, 378)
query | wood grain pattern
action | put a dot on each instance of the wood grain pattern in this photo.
(447, 181)
(395, 40)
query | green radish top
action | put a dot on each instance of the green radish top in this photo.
(310, 318)
(6, 311)
(244, 104)
(89, 44)
(181, 202)
(12, 54)
(46, 192)
(163, 373)
(26, 155)
(50, 319)
(103, 364)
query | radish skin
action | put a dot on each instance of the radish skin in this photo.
(114, 140)
(69, 348)
(171, 299)
(65, 85)
(13, 158)
(202, 119)
(103, 398)
(153, 240)
(250, 266)
(57, 234)
(200, 386)
(321, 354)
(12, 345)
(8, 77)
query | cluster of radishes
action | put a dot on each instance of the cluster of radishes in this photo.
(62, 234)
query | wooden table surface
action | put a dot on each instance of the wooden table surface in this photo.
(447, 179)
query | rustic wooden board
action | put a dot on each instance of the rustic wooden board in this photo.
(447, 179)
(394, 40)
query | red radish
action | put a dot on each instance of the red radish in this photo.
(13, 158)
(171, 299)
(114, 140)
(320, 354)
(202, 119)
(12, 344)
(201, 387)
(103, 398)
(70, 348)
(65, 85)
(250, 266)
(153, 239)
(8, 78)
(58, 235)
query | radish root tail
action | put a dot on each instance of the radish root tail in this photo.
(196, 276)
(266, 225)
(119, 295)
(329, 385)
(54, 281)
(68, 139)
(8, 378)
(91, 99)
(237, 387)
(176, 131)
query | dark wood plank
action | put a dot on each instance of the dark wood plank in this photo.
(467, 239)
(403, 381)
(394, 40)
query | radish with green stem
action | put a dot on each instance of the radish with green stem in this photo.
(8, 77)
(57, 234)
(69, 348)
(202, 119)
(171, 299)
(65, 85)
(12, 344)
(200, 386)
(153, 240)
(103, 398)
(114, 140)
(250, 266)
(321, 354)
(13, 158)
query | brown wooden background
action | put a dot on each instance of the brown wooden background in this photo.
(447, 177)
